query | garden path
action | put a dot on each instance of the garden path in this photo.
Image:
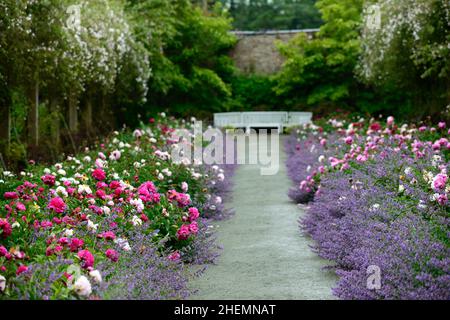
(264, 256)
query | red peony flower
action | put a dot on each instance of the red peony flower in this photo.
(375, 126)
(48, 179)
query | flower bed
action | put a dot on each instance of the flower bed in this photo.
(378, 198)
(119, 221)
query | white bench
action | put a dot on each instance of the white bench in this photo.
(269, 119)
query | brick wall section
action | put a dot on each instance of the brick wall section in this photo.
(256, 52)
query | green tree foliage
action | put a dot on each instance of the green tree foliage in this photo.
(189, 51)
(409, 50)
(70, 69)
(273, 14)
(320, 70)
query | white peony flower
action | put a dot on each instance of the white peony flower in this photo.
(84, 188)
(136, 221)
(92, 226)
(96, 275)
(82, 287)
(2, 283)
(68, 233)
(61, 191)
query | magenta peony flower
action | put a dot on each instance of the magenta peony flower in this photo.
(193, 214)
(57, 205)
(10, 195)
(21, 269)
(349, 140)
(87, 258)
(5, 227)
(442, 125)
(99, 174)
(48, 179)
(20, 206)
(76, 244)
(183, 233)
(112, 255)
(107, 235)
(193, 227)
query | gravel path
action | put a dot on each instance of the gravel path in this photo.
(264, 255)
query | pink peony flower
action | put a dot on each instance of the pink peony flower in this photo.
(183, 233)
(439, 182)
(442, 125)
(99, 174)
(193, 214)
(323, 142)
(349, 140)
(422, 128)
(87, 258)
(10, 195)
(20, 206)
(57, 205)
(48, 179)
(442, 199)
(174, 256)
(148, 193)
(390, 121)
(112, 255)
(107, 235)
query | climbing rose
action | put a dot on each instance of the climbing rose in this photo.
(99, 174)
(183, 232)
(87, 258)
(48, 179)
(57, 204)
(112, 255)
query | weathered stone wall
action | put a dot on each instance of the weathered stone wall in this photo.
(256, 52)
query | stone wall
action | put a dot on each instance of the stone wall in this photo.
(256, 52)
